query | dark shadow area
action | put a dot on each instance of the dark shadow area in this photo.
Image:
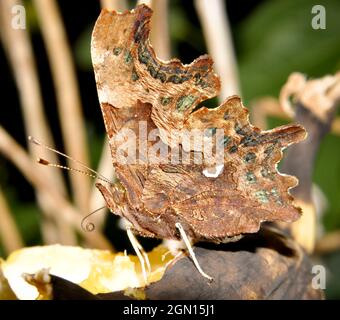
(265, 238)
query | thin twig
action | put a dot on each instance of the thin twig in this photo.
(118, 5)
(264, 107)
(21, 57)
(9, 233)
(160, 38)
(320, 95)
(268, 106)
(217, 34)
(67, 92)
(149, 3)
(13, 152)
(20, 54)
(313, 108)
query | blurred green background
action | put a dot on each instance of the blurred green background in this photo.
(272, 39)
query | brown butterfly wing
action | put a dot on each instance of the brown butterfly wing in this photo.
(130, 78)
(133, 86)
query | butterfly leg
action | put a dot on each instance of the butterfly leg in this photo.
(141, 254)
(175, 247)
(145, 255)
(191, 251)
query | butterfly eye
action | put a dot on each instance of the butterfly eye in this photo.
(118, 194)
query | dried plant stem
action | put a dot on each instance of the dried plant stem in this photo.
(118, 5)
(269, 106)
(68, 98)
(149, 3)
(20, 54)
(160, 38)
(300, 162)
(214, 20)
(9, 233)
(313, 104)
(21, 57)
(334, 92)
(58, 204)
(264, 107)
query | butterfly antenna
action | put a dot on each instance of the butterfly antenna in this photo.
(95, 174)
(89, 226)
(54, 165)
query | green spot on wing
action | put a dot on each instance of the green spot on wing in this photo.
(239, 130)
(185, 102)
(266, 174)
(117, 51)
(262, 196)
(128, 57)
(143, 55)
(161, 76)
(165, 100)
(174, 79)
(250, 177)
(250, 157)
(134, 75)
(152, 71)
(233, 149)
(210, 132)
(274, 192)
(226, 140)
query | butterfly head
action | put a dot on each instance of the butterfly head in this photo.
(114, 195)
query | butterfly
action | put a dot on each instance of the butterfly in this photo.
(141, 96)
